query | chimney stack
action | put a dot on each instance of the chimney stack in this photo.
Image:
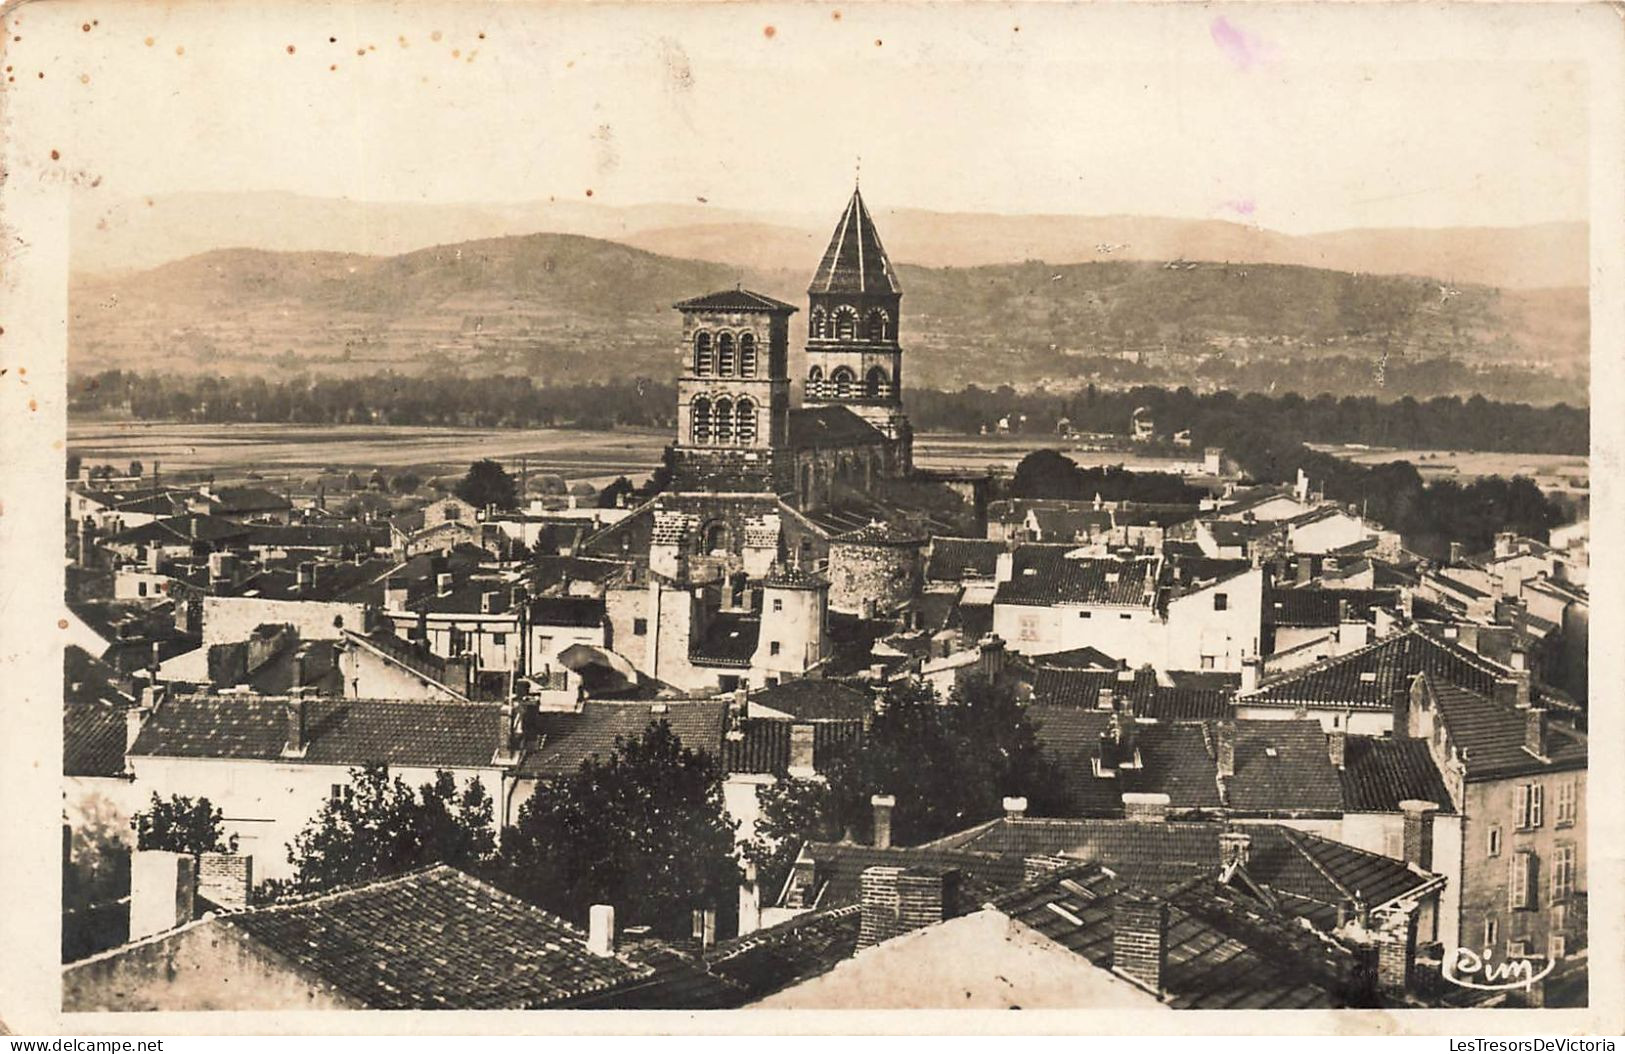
(1337, 747)
(898, 900)
(1140, 939)
(226, 879)
(163, 888)
(1224, 736)
(1418, 833)
(296, 745)
(1535, 731)
(1455, 553)
(1235, 849)
(601, 930)
(883, 805)
(1015, 808)
(1249, 673)
(442, 584)
(802, 751)
(396, 591)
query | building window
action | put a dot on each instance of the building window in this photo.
(1126, 615)
(1568, 803)
(700, 420)
(875, 383)
(722, 421)
(815, 381)
(1221, 601)
(876, 325)
(640, 627)
(745, 421)
(1492, 931)
(499, 639)
(1518, 948)
(778, 603)
(1206, 662)
(1492, 845)
(842, 378)
(702, 353)
(1531, 805)
(819, 326)
(1521, 880)
(141, 589)
(747, 354)
(451, 512)
(1086, 614)
(846, 323)
(1563, 867)
(716, 538)
(772, 647)
(725, 354)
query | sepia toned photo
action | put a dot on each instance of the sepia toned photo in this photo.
(810, 507)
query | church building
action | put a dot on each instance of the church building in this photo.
(760, 488)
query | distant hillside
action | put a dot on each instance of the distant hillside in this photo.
(561, 307)
(143, 233)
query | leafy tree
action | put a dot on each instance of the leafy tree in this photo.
(793, 812)
(488, 483)
(182, 825)
(378, 826)
(136, 468)
(643, 829)
(406, 483)
(620, 491)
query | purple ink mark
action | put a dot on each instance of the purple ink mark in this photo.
(1241, 206)
(1242, 48)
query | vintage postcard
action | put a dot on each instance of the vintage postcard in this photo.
(811, 517)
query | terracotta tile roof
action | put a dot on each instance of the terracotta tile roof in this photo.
(1380, 772)
(730, 639)
(1320, 607)
(1371, 677)
(823, 426)
(838, 869)
(776, 957)
(1284, 766)
(92, 740)
(176, 529)
(1206, 968)
(762, 745)
(810, 699)
(564, 739)
(1061, 686)
(855, 261)
(735, 300)
(344, 732)
(1490, 735)
(1127, 515)
(880, 532)
(548, 570)
(1085, 658)
(236, 501)
(1046, 575)
(437, 939)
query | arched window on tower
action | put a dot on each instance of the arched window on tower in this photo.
(815, 383)
(702, 353)
(876, 326)
(725, 354)
(875, 385)
(724, 421)
(818, 327)
(846, 322)
(745, 421)
(747, 354)
(842, 379)
(714, 539)
(699, 417)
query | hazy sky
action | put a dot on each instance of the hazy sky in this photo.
(1296, 119)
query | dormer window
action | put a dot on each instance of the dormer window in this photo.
(1368, 677)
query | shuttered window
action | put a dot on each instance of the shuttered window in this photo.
(1563, 868)
(1531, 805)
(1521, 881)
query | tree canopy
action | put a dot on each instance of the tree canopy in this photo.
(643, 829)
(378, 826)
(488, 483)
(182, 825)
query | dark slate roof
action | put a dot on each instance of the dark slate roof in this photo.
(763, 745)
(1320, 607)
(775, 957)
(1380, 772)
(1127, 515)
(838, 868)
(816, 700)
(729, 639)
(855, 261)
(1371, 677)
(1284, 765)
(735, 300)
(92, 740)
(87, 681)
(238, 500)
(1045, 575)
(1206, 968)
(1084, 658)
(338, 731)
(1065, 686)
(436, 939)
(181, 529)
(954, 559)
(562, 740)
(548, 570)
(339, 581)
(316, 536)
(826, 426)
(1490, 735)
(582, 612)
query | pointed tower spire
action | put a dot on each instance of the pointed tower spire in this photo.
(855, 261)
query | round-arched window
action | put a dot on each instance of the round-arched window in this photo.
(747, 354)
(702, 353)
(843, 379)
(876, 326)
(725, 354)
(700, 420)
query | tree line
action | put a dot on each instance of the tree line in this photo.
(1445, 422)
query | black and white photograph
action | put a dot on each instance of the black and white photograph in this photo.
(714, 508)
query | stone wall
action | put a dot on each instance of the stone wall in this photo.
(868, 575)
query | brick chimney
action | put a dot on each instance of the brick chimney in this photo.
(226, 879)
(163, 889)
(1535, 731)
(1146, 808)
(1015, 808)
(601, 930)
(296, 744)
(1337, 747)
(883, 805)
(1140, 939)
(1418, 832)
(1224, 746)
(898, 900)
